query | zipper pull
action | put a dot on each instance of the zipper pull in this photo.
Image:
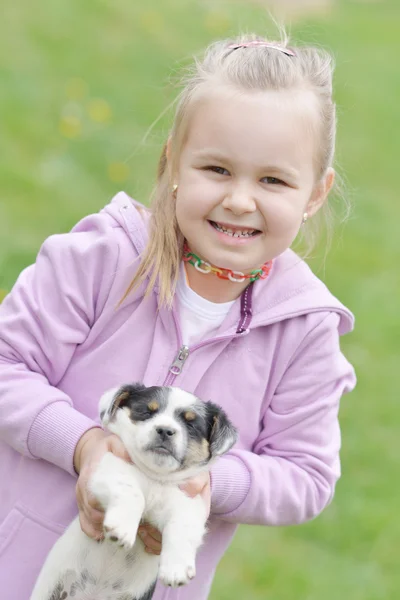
(179, 361)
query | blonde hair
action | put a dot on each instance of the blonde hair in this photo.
(253, 68)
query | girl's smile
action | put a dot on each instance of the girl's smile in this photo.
(234, 235)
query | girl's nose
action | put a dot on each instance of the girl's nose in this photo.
(239, 201)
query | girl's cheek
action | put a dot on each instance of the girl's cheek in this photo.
(281, 217)
(206, 193)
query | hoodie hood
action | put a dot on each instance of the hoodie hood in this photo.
(291, 289)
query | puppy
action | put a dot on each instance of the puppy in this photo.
(170, 436)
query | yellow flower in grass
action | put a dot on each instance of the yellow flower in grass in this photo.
(118, 172)
(99, 110)
(70, 126)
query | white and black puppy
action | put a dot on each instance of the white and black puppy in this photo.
(170, 436)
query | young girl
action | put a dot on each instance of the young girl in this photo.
(204, 293)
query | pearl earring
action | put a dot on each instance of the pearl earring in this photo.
(305, 218)
(174, 188)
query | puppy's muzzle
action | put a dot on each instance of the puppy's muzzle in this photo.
(163, 440)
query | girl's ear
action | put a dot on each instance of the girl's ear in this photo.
(223, 434)
(321, 192)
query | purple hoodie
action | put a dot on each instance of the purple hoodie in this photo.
(274, 365)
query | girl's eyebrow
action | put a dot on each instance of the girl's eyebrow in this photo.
(210, 154)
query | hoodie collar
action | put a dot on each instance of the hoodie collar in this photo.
(290, 290)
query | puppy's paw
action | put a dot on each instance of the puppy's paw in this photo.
(121, 526)
(175, 574)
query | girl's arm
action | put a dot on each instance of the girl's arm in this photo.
(290, 476)
(46, 316)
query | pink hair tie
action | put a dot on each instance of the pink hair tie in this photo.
(286, 51)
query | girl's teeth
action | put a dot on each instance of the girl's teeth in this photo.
(232, 233)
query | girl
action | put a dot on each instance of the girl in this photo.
(203, 292)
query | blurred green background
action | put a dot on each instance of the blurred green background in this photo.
(80, 85)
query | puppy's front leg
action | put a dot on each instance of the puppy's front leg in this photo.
(116, 487)
(182, 536)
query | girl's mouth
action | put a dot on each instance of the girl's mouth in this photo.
(235, 232)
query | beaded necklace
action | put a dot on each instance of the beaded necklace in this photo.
(227, 274)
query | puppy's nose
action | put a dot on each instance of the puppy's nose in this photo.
(165, 432)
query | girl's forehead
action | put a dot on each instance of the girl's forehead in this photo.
(227, 109)
(254, 124)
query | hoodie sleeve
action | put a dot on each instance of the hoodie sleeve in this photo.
(290, 476)
(46, 316)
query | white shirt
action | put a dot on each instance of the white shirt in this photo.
(199, 318)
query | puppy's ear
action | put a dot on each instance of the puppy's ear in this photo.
(117, 398)
(222, 434)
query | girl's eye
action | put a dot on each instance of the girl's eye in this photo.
(273, 180)
(219, 170)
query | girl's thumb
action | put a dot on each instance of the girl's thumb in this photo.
(118, 448)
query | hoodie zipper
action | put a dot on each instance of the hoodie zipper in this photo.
(182, 355)
(184, 351)
(179, 361)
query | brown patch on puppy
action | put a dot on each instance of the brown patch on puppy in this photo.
(197, 453)
(189, 415)
(153, 406)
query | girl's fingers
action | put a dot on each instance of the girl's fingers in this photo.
(152, 531)
(88, 529)
(96, 526)
(152, 544)
(191, 489)
(117, 448)
(94, 504)
(195, 485)
(96, 517)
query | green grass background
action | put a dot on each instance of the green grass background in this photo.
(80, 85)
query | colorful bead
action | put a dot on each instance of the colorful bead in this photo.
(227, 274)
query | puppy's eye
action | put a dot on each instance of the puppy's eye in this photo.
(153, 406)
(189, 416)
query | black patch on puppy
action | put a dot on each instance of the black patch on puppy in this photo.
(221, 434)
(210, 433)
(59, 592)
(117, 585)
(194, 422)
(142, 402)
(211, 425)
(65, 587)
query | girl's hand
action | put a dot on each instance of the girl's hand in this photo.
(90, 449)
(199, 485)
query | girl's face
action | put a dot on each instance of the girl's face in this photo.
(247, 174)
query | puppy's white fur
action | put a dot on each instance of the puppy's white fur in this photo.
(147, 490)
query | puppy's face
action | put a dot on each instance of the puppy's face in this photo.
(167, 430)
